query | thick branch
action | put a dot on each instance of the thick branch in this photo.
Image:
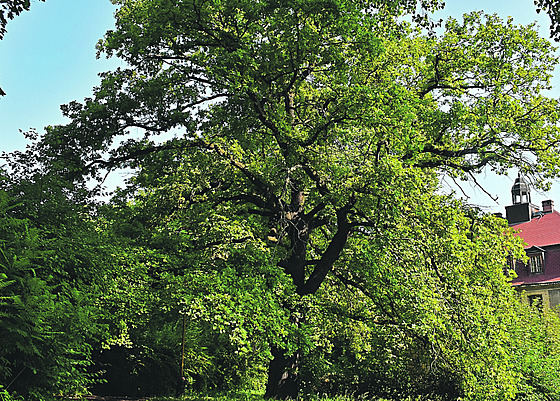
(247, 198)
(253, 178)
(330, 256)
(115, 161)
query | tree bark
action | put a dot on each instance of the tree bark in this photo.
(283, 379)
(283, 376)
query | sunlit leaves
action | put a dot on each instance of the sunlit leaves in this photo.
(285, 160)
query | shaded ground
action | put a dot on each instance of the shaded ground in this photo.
(110, 398)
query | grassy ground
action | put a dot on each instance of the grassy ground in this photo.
(258, 397)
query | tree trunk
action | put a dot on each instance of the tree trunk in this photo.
(283, 371)
(283, 380)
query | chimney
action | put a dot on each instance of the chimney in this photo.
(548, 206)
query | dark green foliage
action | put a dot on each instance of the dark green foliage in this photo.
(49, 317)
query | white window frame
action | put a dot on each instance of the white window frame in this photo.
(536, 263)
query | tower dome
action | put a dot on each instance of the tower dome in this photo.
(520, 191)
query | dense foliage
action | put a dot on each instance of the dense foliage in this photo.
(49, 285)
(283, 228)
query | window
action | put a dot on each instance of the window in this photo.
(510, 266)
(536, 263)
(536, 301)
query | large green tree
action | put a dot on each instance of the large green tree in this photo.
(307, 125)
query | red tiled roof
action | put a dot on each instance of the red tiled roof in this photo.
(534, 280)
(540, 231)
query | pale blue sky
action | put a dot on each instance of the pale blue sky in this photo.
(47, 58)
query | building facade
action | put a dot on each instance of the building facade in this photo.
(539, 277)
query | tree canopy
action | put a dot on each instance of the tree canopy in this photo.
(285, 195)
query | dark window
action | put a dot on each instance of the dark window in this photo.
(511, 266)
(536, 301)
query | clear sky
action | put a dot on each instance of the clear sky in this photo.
(47, 58)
